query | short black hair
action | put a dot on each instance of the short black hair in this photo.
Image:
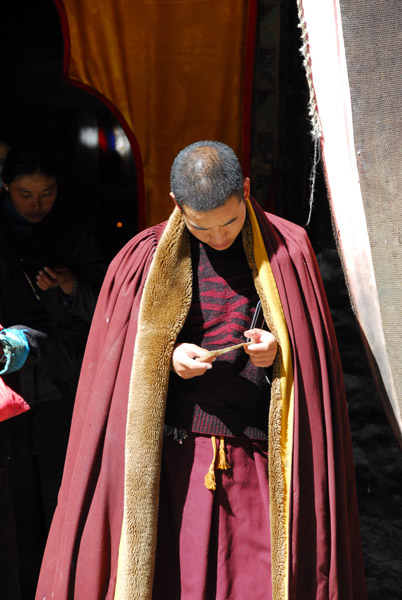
(28, 159)
(205, 174)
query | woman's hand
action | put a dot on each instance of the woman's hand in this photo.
(263, 347)
(184, 362)
(62, 277)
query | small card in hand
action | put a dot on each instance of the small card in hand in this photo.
(221, 351)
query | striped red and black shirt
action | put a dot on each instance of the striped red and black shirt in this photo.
(232, 398)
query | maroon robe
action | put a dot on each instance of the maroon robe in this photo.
(325, 552)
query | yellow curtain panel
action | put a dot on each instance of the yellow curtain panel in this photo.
(173, 72)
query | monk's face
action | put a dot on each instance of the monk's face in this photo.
(218, 227)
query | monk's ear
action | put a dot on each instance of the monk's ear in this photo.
(246, 188)
(173, 197)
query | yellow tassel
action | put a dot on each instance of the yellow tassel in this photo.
(223, 463)
(209, 479)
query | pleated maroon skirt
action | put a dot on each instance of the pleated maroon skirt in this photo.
(213, 545)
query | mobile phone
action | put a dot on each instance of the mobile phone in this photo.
(258, 322)
(258, 317)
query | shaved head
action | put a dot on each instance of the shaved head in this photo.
(205, 174)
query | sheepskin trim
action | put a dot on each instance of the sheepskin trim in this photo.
(163, 310)
(280, 427)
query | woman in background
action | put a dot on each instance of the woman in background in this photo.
(51, 270)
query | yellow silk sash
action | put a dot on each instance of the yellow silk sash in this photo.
(281, 423)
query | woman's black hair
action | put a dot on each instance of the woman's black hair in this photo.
(28, 159)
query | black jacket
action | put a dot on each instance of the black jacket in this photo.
(60, 239)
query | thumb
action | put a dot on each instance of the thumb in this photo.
(253, 334)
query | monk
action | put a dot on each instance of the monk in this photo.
(210, 456)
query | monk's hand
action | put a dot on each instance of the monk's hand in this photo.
(62, 277)
(184, 362)
(263, 347)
